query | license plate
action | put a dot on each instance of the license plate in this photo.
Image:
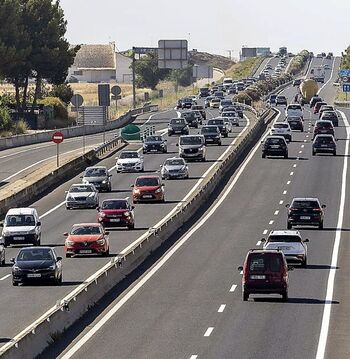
(115, 220)
(85, 251)
(34, 275)
(275, 146)
(257, 277)
(147, 196)
(305, 217)
(284, 248)
(324, 146)
(18, 238)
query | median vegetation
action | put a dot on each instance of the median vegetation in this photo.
(298, 62)
(244, 69)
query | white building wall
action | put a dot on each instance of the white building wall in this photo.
(124, 73)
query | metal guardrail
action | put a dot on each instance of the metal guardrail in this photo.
(108, 146)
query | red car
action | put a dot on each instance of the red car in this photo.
(148, 189)
(318, 105)
(116, 212)
(323, 127)
(86, 238)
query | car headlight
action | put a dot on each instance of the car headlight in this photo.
(16, 268)
(136, 190)
(70, 243)
(201, 148)
(158, 190)
(104, 181)
(70, 198)
(85, 181)
(101, 241)
(5, 233)
(127, 214)
(102, 214)
(164, 169)
(52, 267)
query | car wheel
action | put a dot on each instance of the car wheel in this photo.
(219, 143)
(131, 226)
(106, 254)
(169, 134)
(304, 263)
(263, 155)
(286, 155)
(15, 284)
(285, 296)
(320, 226)
(6, 243)
(3, 262)
(289, 225)
(245, 296)
(68, 208)
(68, 255)
(313, 153)
(203, 159)
(334, 153)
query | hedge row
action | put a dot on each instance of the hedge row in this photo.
(298, 62)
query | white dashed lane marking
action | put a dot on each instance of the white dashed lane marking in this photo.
(221, 308)
(288, 182)
(233, 288)
(271, 222)
(208, 331)
(284, 192)
(276, 213)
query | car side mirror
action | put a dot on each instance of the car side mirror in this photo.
(287, 205)
(59, 259)
(290, 268)
(132, 207)
(240, 268)
(1, 224)
(163, 184)
(132, 186)
(109, 175)
(81, 176)
(98, 208)
(65, 234)
(38, 224)
(66, 192)
(263, 240)
(12, 260)
(306, 240)
(106, 233)
(323, 206)
(177, 145)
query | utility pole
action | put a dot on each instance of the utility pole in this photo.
(133, 79)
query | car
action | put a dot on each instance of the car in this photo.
(319, 56)
(204, 92)
(82, 196)
(297, 82)
(201, 109)
(211, 134)
(268, 67)
(314, 100)
(207, 101)
(290, 242)
(238, 109)
(318, 105)
(326, 67)
(192, 147)
(224, 103)
(232, 116)
(179, 104)
(191, 118)
(98, 176)
(323, 127)
(272, 100)
(130, 161)
(220, 123)
(187, 102)
(228, 123)
(219, 94)
(36, 264)
(282, 129)
(215, 102)
(148, 189)
(174, 168)
(2, 254)
(330, 116)
(324, 144)
(240, 86)
(86, 238)
(116, 213)
(178, 126)
(21, 226)
(213, 89)
(305, 211)
(264, 272)
(232, 90)
(274, 146)
(294, 110)
(324, 108)
(281, 100)
(154, 143)
(295, 123)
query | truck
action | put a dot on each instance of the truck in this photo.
(318, 74)
(308, 89)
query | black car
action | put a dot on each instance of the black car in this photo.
(178, 126)
(204, 92)
(305, 211)
(239, 110)
(211, 134)
(296, 82)
(201, 109)
(281, 100)
(272, 99)
(154, 143)
(324, 144)
(191, 118)
(232, 90)
(187, 102)
(36, 264)
(314, 100)
(274, 146)
(179, 104)
(330, 116)
(220, 123)
(295, 123)
(2, 254)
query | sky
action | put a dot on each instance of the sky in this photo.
(211, 26)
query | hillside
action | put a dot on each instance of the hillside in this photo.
(204, 58)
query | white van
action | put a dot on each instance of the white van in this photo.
(21, 226)
(294, 110)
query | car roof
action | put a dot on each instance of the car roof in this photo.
(148, 176)
(285, 233)
(88, 224)
(21, 211)
(36, 247)
(101, 167)
(275, 136)
(305, 199)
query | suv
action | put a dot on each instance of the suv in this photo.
(290, 243)
(314, 100)
(224, 103)
(155, 143)
(294, 110)
(191, 118)
(116, 212)
(324, 143)
(272, 100)
(99, 177)
(282, 129)
(211, 134)
(264, 272)
(192, 147)
(204, 92)
(330, 116)
(130, 161)
(21, 226)
(324, 128)
(274, 146)
(325, 108)
(305, 211)
(232, 116)
(281, 100)
(295, 123)
(201, 109)
(318, 105)
(178, 125)
(187, 102)
(220, 123)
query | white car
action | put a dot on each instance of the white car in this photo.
(232, 116)
(130, 161)
(282, 129)
(82, 196)
(290, 243)
(294, 110)
(228, 123)
(175, 167)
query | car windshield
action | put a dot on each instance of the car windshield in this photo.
(81, 188)
(274, 141)
(133, 154)
(305, 204)
(284, 238)
(329, 114)
(273, 97)
(190, 140)
(210, 129)
(280, 98)
(216, 122)
(229, 114)
(226, 102)
(114, 204)
(177, 121)
(294, 107)
(280, 125)
(35, 254)
(294, 119)
(175, 162)
(20, 220)
(154, 139)
(96, 172)
(261, 262)
(187, 99)
(86, 230)
(215, 100)
(147, 181)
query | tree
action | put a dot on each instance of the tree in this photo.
(184, 77)
(346, 59)
(63, 92)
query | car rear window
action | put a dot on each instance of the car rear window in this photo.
(281, 125)
(283, 238)
(274, 141)
(294, 107)
(305, 204)
(154, 139)
(209, 129)
(324, 125)
(193, 140)
(261, 262)
(215, 122)
(177, 121)
(324, 140)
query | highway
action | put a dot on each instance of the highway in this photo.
(56, 220)
(188, 305)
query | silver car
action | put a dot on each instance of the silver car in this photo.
(82, 196)
(174, 168)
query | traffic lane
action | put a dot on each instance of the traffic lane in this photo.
(262, 67)
(195, 282)
(78, 269)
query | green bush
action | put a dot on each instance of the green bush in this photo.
(243, 97)
(20, 127)
(59, 106)
(63, 92)
(5, 119)
(254, 95)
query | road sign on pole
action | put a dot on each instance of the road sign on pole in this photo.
(346, 87)
(344, 72)
(77, 100)
(172, 54)
(57, 138)
(104, 95)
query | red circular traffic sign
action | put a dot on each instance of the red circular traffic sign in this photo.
(57, 137)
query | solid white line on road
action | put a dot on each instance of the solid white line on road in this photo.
(221, 308)
(271, 222)
(258, 243)
(5, 277)
(321, 348)
(281, 201)
(233, 288)
(208, 331)
(292, 173)
(284, 192)
(330, 78)
(276, 213)
(52, 210)
(96, 327)
(288, 182)
(265, 231)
